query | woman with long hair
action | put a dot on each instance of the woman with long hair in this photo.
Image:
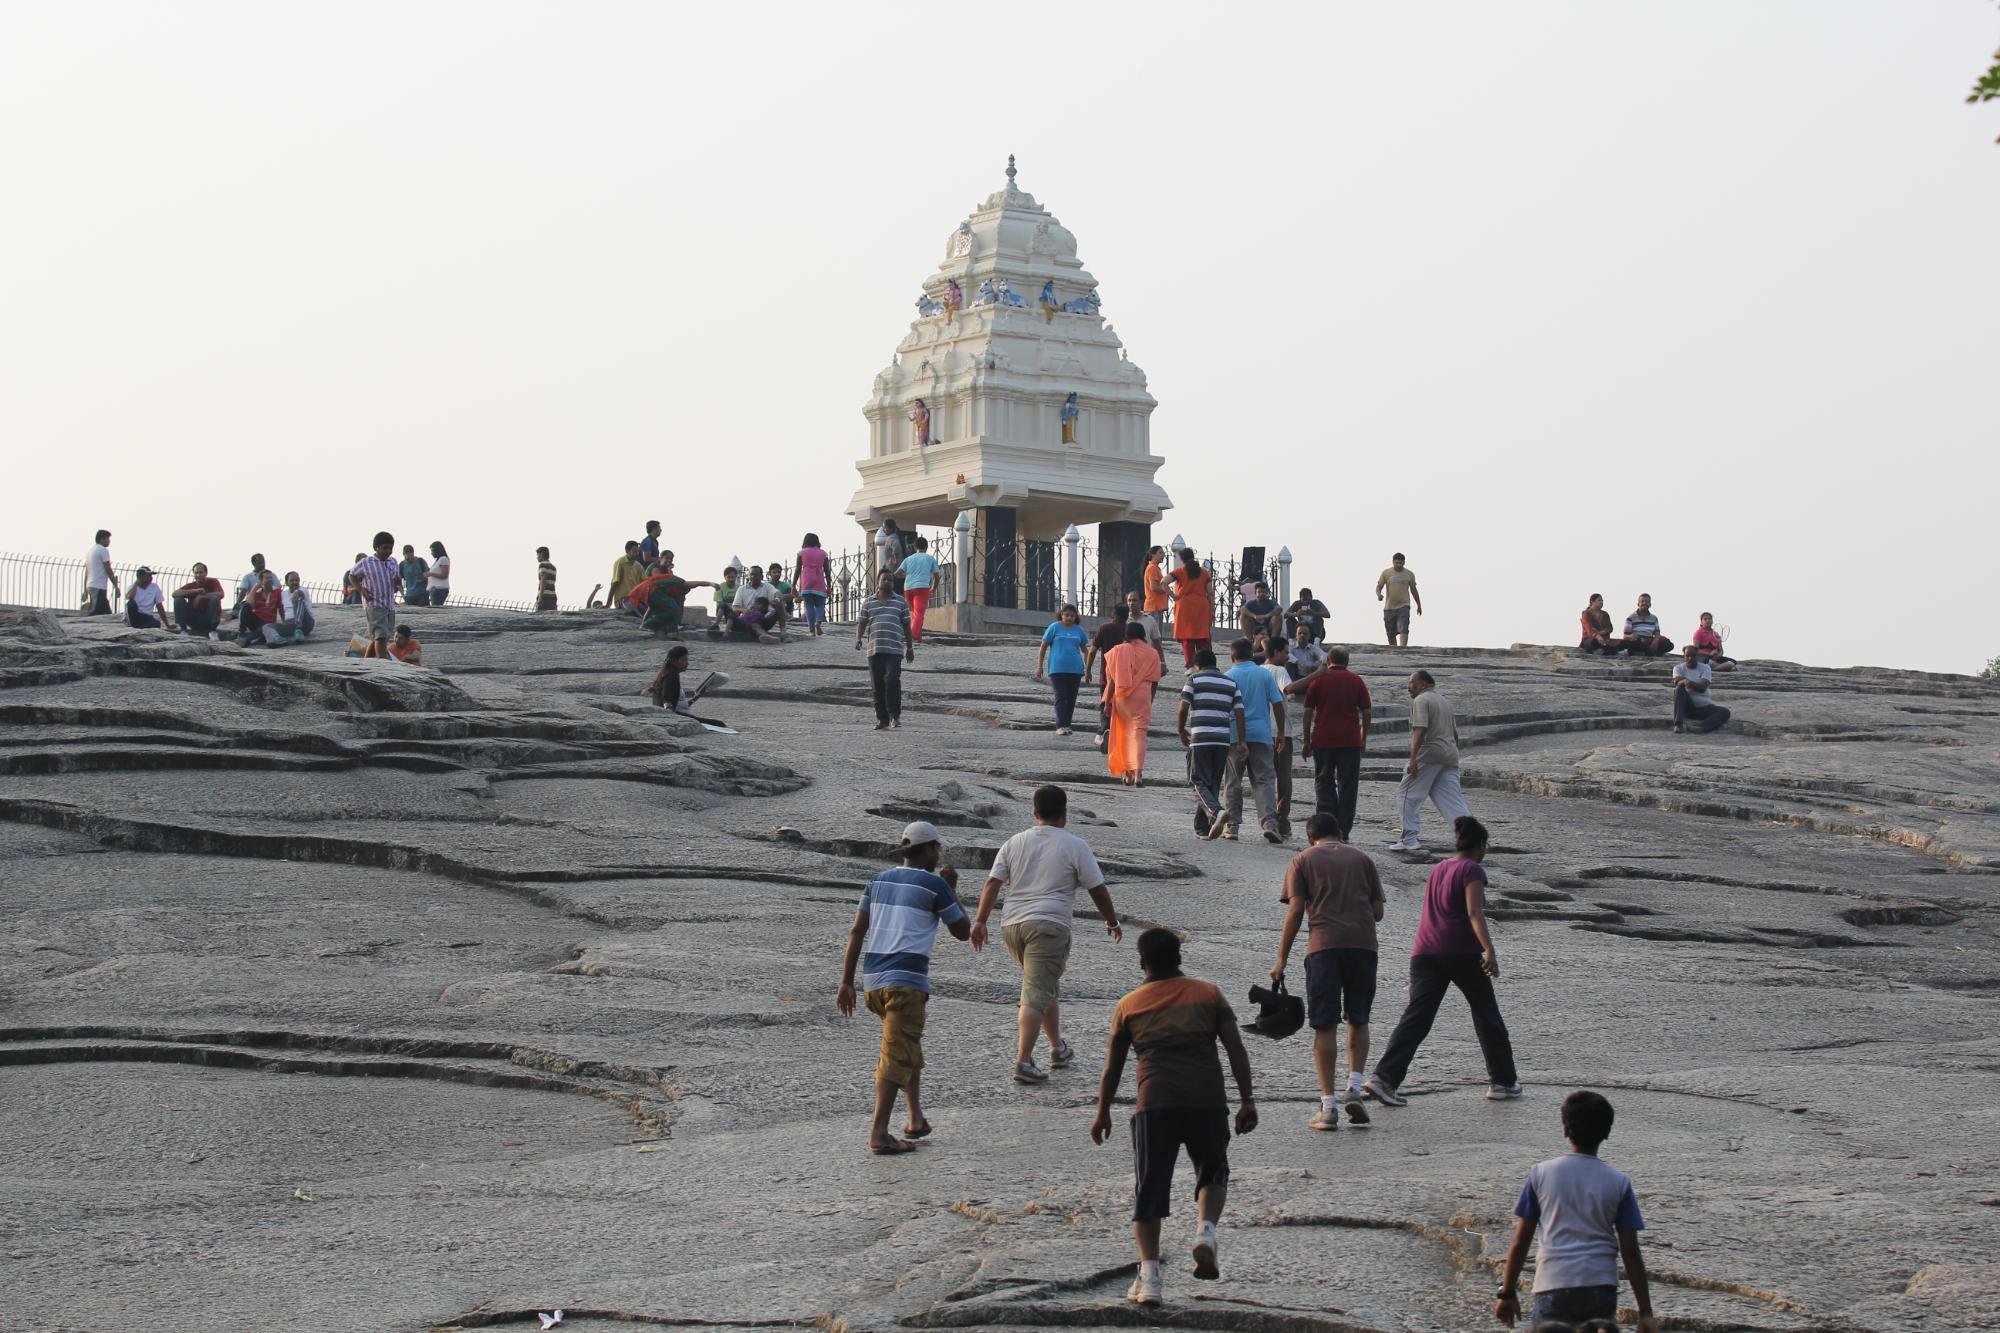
(809, 573)
(1189, 588)
(1131, 674)
(1453, 948)
(437, 583)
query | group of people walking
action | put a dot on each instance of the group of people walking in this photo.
(1177, 1027)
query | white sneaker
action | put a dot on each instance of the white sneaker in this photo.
(1503, 1092)
(1144, 1291)
(1406, 845)
(1204, 1252)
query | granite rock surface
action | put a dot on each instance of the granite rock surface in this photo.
(350, 995)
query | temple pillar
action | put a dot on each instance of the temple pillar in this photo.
(1000, 556)
(1121, 561)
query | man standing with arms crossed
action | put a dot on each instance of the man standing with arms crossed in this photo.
(1433, 767)
(1042, 868)
(1396, 589)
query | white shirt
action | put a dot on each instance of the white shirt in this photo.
(148, 600)
(1699, 677)
(98, 562)
(746, 596)
(1307, 657)
(1043, 867)
(440, 573)
(298, 604)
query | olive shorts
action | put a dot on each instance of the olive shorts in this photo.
(1041, 948)
(902, 1013)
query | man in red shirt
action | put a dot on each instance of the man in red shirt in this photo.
(264, 606)
(1337, 716)
(198, 602)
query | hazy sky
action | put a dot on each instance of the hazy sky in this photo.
(1692, 297)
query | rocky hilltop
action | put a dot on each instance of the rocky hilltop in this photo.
(349, 995)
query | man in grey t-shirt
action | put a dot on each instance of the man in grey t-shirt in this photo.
(1432, 770)
(1041, 869)
(1692, 708)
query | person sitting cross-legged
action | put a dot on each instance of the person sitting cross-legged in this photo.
(1710, 644)
(1260, 615)
(198, 602)
(1642, 631)
(1595, 623)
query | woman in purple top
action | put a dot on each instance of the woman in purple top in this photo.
(1453, 948)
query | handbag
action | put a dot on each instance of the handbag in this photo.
(1279, 1012)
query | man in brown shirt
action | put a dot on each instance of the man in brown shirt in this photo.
(1173, 1022)
(1335, 890)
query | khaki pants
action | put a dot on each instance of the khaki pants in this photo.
(1041, 949)
(902, 1013)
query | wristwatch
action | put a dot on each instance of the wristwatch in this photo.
(1504, 1294)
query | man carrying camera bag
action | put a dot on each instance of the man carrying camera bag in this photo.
(1335, 890)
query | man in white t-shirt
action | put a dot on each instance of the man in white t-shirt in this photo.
(1042, 868)
(100, 579)
(145, 605)
(1693, 710)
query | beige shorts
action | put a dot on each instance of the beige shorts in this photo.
(1041, 949)
(902, 1013)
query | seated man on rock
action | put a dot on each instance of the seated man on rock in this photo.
(1692, 709)
(145, 602)
(295, 613)
(1308, 613)
(1642, 631)
(1596, 623)
(262, 608)
(198, 602)
(1260, 616)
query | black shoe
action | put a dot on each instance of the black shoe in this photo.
(881, 726)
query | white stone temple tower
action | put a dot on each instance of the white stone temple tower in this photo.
(1011, 398)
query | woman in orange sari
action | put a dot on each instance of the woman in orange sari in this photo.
(1131, 671)
(1194, 607)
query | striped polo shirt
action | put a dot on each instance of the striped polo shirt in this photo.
(904, 908)
(883, 625)
(380, 576)
(1212, 699)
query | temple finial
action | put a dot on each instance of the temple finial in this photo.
(1010, 171)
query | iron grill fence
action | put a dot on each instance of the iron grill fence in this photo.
(57, 584)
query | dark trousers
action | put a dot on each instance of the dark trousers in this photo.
(885, 677)
(247, 625)
(1206, 765)
(197, 617)
(1657, 646)
(1701, 717)
(1065, 684)
(1431, 975)
(1337, 785)
(100, 602)
(138, 619)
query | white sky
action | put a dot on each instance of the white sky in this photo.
(1692, 296)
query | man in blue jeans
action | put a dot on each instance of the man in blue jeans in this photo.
(1588, 1218)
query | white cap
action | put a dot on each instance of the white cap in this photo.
(919, 833)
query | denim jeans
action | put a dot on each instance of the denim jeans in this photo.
(1206, 765)
(1573, 1305)
(1258, 765)
(438, 595)
(197, 617)
(1431, 975)
(1065, 684)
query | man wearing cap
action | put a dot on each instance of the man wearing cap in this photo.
(894, 929)
(1042, 868)
(145, 604)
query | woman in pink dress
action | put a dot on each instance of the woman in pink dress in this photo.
(809, 575)
(1709, 644)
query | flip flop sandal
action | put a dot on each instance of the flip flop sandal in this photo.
(900, 1148)
(922, 1131)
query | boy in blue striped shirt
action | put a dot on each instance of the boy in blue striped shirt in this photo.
(892, 935)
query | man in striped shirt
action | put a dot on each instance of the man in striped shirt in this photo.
(893, 932)
(376, 578)
(884, 623)
(545, 580)
(1210, 704)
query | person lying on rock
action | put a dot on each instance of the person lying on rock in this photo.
(404, 646)
(894, 929)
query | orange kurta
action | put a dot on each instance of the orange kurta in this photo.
(1156, 591)
(1194, 609)
(1131, 670)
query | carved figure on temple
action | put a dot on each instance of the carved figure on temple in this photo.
(985, 295)
(954, 298)
(1048, 300)
(1008, 296)
(1087, 304)
(927, 307)
(1070, 412)
(920, 423)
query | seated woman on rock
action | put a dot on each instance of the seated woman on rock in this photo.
(1709, 644)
